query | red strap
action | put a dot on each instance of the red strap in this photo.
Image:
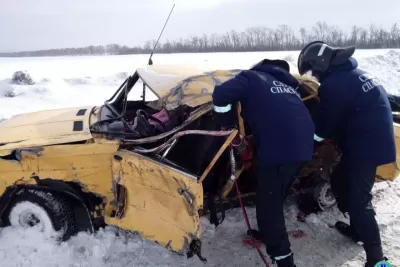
(251, 242)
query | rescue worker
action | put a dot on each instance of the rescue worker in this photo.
(355, 113)
(283, 132)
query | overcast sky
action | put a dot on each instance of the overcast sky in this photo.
(45, 24)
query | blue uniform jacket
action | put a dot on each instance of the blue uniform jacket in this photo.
(280, 122)
(354, 110)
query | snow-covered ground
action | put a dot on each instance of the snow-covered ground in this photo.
(76, 81)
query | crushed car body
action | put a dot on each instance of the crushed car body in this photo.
(152, 167)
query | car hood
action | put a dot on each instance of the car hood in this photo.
(46, 128)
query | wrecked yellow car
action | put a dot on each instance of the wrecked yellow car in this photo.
(153, 167)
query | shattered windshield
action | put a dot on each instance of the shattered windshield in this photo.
(136, 92)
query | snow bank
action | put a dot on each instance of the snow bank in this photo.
(75, 81)
(22, 77)
(6, 89)
(79, 81)
(111, 247)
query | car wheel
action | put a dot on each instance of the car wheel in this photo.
(323, 195)
(44, 210)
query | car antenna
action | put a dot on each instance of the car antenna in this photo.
(152, 52)
(154, 48)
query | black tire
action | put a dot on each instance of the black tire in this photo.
(54, 211)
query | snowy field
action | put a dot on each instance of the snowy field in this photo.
(75, 81)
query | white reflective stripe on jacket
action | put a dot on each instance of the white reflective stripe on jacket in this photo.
(318, 139)
(224, 109)
(282, 257)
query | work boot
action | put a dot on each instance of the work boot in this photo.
(286, 262)
(348, 231)
(374, 255)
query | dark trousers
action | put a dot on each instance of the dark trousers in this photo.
(352, 187)
(273, 186)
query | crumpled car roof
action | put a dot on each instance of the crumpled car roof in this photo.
(176, 85)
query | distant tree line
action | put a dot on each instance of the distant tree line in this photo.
(282, 38)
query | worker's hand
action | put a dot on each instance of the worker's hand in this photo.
(225, 120)
(327, 141)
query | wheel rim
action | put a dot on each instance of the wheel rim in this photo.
(325, 197)
(26, 214)
(29, 218)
